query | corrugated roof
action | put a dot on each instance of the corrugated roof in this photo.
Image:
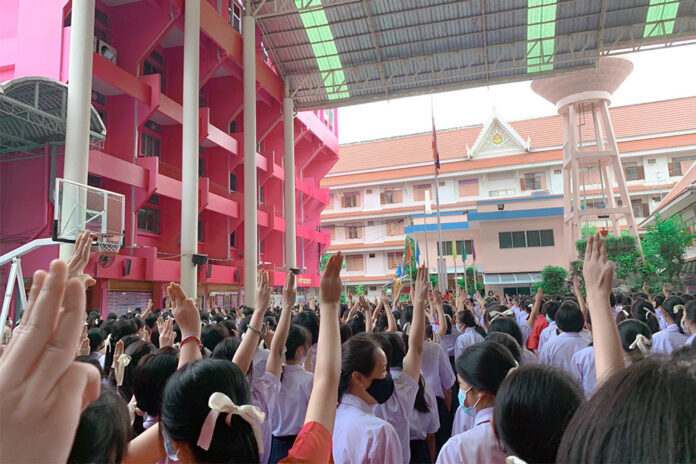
(682, 186)
(629, 121)
(341, 52)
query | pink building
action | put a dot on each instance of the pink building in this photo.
(137, 87)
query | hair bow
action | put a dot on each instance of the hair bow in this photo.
(120, 365)
(513, 368)
(641, 342)
(221, 403)
(496, 314)
(514, 460)
(677, 308)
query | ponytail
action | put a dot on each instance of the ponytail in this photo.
(421, 404)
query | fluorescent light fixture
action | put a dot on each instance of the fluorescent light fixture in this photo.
(541, 33)
(324, 48)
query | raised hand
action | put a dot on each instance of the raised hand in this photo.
(290, 292)
(263, 290)
(422, 286)
(42, 390)
(330, 286)
(184, 311)
(166, 332)
(80, 256)
(597, 270)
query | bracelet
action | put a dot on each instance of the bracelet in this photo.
(254, 329)
(191, 337)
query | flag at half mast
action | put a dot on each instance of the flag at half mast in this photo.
(436, 152)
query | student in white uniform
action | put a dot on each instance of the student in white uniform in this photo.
(688, 322)
(359, 435)
(636, 340)
(471, 332)
(644, 311)
(550, 309)
(672, 336)
(295, 389)
(423, 425)
(480, 371)
(559, 350)
(509, 326)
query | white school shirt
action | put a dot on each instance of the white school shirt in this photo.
(583, 369)
(462, 422)
(559, 350)
(466, 339)
(661, 319)
(528, 357)
(423, 423)
(436, 368)
(259, 363)
(361, 437)
(546, 334)
(289, 414)
(478, 445)
(264, 394)
(450, 340)
(665, 341)
(691, 339)
(526, 332)
(398, 408)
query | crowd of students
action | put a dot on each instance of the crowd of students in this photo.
(422, 378)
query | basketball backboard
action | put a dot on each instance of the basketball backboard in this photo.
(79, 208)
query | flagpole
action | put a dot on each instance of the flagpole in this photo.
(426, 210)
(442, 270)
(466, 278)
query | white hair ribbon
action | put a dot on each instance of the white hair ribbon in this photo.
(107, 343)
(677, 308)
(496, 314)
(221, 403)
(120, 368)
(513, 369)
(514, 460)
(641, 342)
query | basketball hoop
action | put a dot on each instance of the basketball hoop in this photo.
(107, 244)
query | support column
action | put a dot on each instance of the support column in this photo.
(189, 148)
(250, 181)
(289, 167)
(79, 100)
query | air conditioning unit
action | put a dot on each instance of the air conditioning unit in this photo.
(107, 51)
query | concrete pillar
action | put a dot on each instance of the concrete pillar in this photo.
(250, 180)
(189, 148)
(79, 100)
(289, 166)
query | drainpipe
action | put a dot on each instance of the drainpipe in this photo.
(289, 166)
(250, 181)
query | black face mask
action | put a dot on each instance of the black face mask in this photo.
(381, 389)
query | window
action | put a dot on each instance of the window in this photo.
(354, 263)
(332, 232)
(262, 195)
(353, 231)
(93, 181)
(233, 239)
(149, 220)
(557, 172)
(390, 196)
(679, 166)
(201, 230)
(640, 209)
(153, 65)
(235, 14)
(533, 181)
(395, 227)
(501, 193)
(150, 145)
(371, 255)
(201, 166)
(468, 188)
(351, 200)
(419, 192)
(154, 199)
(526, 239)
(233, 182)
(447, 247)
(262, 246)
(394, 259)
(634, 171)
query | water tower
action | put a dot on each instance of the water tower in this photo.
(592, 169)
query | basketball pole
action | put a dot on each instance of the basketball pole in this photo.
(77, 128)
(189, 148)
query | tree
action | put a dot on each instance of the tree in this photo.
(553, 281)
(664, 246)
(360, 290)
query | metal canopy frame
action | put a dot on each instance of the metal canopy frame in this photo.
(33, 112)
(394, 48)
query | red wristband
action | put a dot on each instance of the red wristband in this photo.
(191, 337)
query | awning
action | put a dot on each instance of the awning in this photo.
(511, 278)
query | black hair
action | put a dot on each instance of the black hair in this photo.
(227, 348)
(508, 342)
(467, 318)
(150, 376)
(357, 325)
(659, 299)
(690, 311)
(406, 315)
(489, 309)
(628, 331)
(550, 308)
(92, 361)
(508, 326)
(386, 345)
(357, 354)
(230, 325)
(569, 317)
(112, 317)
(211, 335)
(346, 332)
(271, 321)
(185, 409)
(150, 321)
(137, 349)
(310, 321)
(244, 323)
(644, 312)
(612, 299)
(621, 420)
(120, 329)
(96, 338)
(103, 432)
(674, 307)
(484, 365)
(382, 323)
(298, 336)
(533, 406)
